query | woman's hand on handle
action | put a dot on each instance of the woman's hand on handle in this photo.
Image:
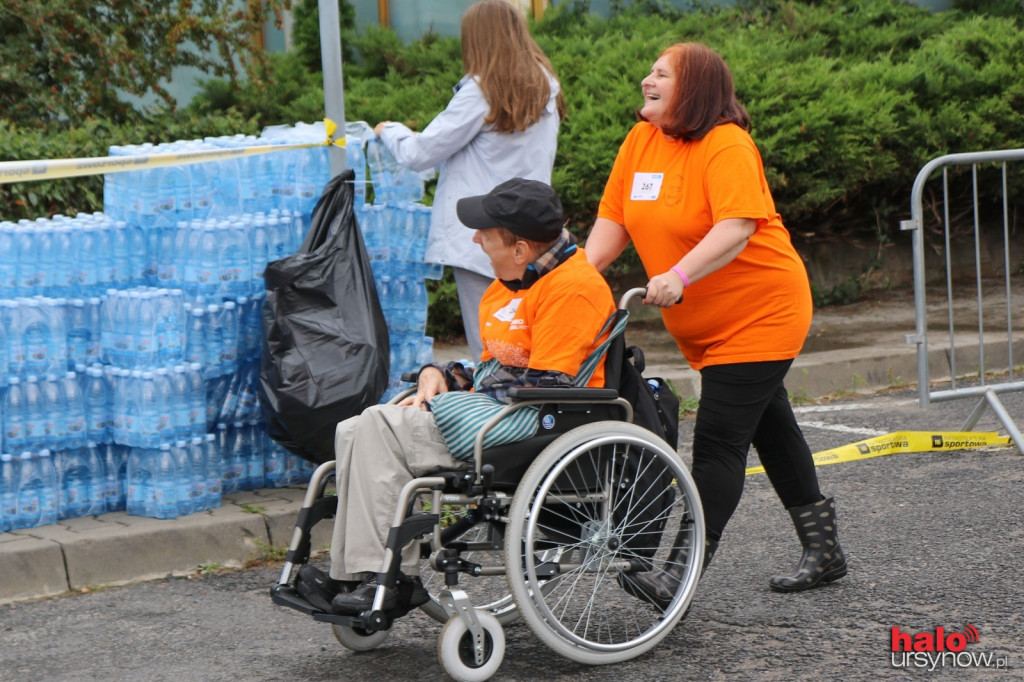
(664, 290)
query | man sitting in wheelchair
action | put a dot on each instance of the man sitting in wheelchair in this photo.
(541, 319)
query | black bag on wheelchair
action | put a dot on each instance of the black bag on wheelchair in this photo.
(658, 412)
(325, 340)
(655, 407)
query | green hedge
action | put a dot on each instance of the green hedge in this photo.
(849, 99)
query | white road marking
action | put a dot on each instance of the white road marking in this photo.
(879, 405)
(841, 429)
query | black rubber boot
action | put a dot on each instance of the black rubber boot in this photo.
(660, 586)
(823, 560)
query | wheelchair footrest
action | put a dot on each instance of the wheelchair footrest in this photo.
(286, 595)
(372, 622)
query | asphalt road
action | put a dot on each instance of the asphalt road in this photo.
(934, 540)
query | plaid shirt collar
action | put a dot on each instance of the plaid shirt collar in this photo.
(559, 252)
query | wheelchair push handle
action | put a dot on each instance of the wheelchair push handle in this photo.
(635, 292)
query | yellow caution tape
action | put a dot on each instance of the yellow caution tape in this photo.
(903, 441)
(28, 171)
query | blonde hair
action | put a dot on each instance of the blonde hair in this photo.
(510, 67)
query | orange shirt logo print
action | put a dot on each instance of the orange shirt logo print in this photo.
(674, 191)
(518, 323)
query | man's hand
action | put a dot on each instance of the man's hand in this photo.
(431, 383)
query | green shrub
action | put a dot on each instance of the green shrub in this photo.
(849, 99)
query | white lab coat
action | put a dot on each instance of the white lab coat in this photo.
(471, 159)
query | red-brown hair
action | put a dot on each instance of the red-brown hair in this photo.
(704, 95)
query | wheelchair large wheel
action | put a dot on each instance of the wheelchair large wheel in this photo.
(608, 500)
(489, 594)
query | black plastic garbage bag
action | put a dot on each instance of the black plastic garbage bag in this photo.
(325, 350)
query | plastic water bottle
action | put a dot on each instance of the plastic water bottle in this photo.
(197, 465)
(137, 250)
(214, 339)
(29, 487)
(418, 305)
(149, 409)
(228, 325)
(35, 335)
(279, 238)
(164, 426)
(259, 246)
(120, 248)
(183, 481)
(78, 333)
(196, 392)
(97, 406)
(112, 492)
(80, 471)
(8, 261)
(34, 412)
(247, 408)
(254, 326)
(141, 490)
(205, 274)
(254, 456)
(195, 338)
(74, 410)
(87, 260)
(214, 471)
(15, 429)
(55, 424)
(165, 484)
(37, 490)
(401, 318)
(26, 258)
(275, 463)
(105, 268)
(145, 324)
(233, 457)
(64, 247)
(180, 417)
(8, 492)
(385, 296)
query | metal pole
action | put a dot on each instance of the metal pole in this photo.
(334, 89)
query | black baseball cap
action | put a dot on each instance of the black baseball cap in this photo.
(527, 208)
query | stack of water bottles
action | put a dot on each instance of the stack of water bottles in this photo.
(130, 339)
(395, 230)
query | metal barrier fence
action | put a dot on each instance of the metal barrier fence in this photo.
(1001, 349)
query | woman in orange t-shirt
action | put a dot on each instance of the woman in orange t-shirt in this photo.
(688, 189)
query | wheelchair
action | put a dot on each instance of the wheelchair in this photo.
(548, 530)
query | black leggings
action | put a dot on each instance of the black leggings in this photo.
(743, 404)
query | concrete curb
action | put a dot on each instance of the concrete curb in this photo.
(117, 548)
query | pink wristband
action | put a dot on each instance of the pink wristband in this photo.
(682, 275)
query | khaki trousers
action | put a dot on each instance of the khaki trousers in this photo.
(378, 452)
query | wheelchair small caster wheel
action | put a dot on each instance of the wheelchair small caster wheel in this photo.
(457, 650)
(358, 639)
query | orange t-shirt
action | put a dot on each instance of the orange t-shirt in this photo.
(553, 324)
(668, 194)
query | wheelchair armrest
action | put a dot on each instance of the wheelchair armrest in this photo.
(560, 394)
(411, 377)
